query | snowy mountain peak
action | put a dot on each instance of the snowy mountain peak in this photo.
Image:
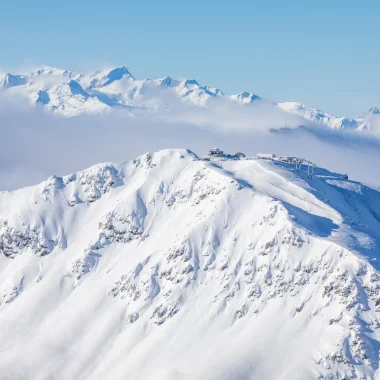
(9, 80)
(47, 70)
(245, 97)
(167, 82)
(370, 118)
(107, 77)
(374, 111)
(191, 82)
(53, 71)
(318, 116)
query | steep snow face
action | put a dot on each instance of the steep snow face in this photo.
(318, 116)
(168, 267)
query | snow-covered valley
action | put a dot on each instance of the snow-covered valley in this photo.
(168, 267)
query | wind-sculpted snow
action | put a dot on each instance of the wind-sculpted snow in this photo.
(169, 267)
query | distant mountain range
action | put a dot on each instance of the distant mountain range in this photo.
(70, 94)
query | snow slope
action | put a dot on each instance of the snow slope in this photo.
(117, 88)
(167, 267)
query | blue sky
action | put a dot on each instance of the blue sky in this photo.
(322, 53)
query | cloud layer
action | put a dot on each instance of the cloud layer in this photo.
(36, 144)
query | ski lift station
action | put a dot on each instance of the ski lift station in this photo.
(217, 154)
(266, 156)
(306, 166)
(288, 159)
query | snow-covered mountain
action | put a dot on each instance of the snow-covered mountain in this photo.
(367, 121)
(319, 116)
(70, 93)
(168, 267)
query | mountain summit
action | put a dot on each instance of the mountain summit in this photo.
(104, 79)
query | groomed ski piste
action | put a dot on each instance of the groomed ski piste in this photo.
(170, 267)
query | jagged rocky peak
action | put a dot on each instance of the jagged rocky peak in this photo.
(167, 82)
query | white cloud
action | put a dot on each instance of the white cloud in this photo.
(37, 144)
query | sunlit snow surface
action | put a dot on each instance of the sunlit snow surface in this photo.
(167, 267)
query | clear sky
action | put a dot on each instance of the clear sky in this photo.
(323, 53)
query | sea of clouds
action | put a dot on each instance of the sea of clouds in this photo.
(36, 144)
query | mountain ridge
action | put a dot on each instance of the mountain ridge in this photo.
(117, 87)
